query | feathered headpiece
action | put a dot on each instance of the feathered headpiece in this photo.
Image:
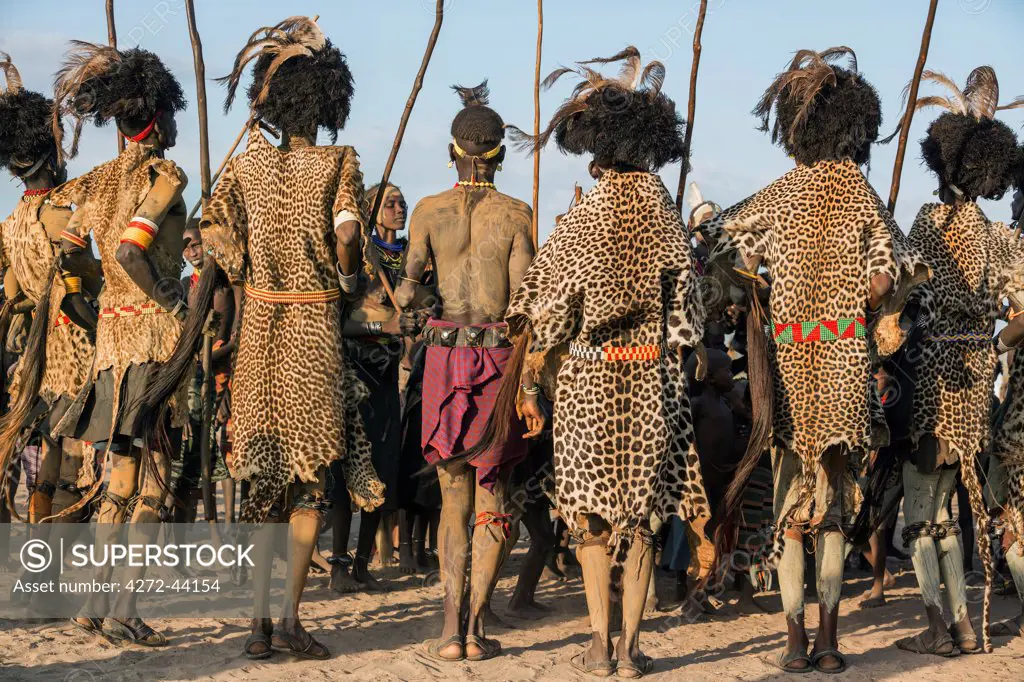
(26, 139)
(971, 152)
(822, 111)
(131, 86)
(625, 119)
(477, 122)
(300, 80)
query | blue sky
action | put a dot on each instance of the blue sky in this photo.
(746, 42)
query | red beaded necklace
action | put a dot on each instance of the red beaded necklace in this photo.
(37, 192)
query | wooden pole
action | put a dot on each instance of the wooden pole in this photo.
(692, 104)
(901, 151)
(416, 87)
(112, 39)
(204, 129)
(223, 164)
(536, 125)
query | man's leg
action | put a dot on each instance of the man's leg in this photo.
(406, 557)
(368, 525)
(490, 537)
(966, 522)
(40, 503)
(1015, 562)
(920, 493)
(830, 554)
(457, 485)
(636, 578)
(124, 472)
(257, 644)
(143, 530)
(71, 459)
(951, 566)
(303, 528)
(786, 489)
(341, 580)
(537, 519)
(592, 554)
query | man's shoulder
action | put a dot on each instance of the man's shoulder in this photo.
(429, 205)
(514, 211)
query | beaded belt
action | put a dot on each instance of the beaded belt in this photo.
(820, 330)
(970, 337)
(612, 354)
(133, 310)
(301, 297)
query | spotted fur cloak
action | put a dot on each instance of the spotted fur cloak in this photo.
(823, 233)
(1008, 446)
(294, 398)
(617, 272)
(25, 246)
(976, 264)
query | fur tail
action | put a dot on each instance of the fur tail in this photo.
(504, 414)
(969, 473)
(762, 386)
(153, 404)
(30, 374)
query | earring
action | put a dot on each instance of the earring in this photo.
(499, 167)
(451, 164)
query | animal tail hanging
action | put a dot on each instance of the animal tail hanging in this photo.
(969, 473)
(153, 405)
(762, 386)
(499, 425)
(30, 376)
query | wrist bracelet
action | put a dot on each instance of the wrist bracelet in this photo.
(348, 282)
(373, 328)
(72, 284)
(532, 390)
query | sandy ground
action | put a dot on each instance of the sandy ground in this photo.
(378, 637)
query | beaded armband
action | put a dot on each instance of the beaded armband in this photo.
(73, 238)
(141, 232)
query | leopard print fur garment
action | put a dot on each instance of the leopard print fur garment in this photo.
(107, 198)
(294, 400)
(617, 271)
(28, 249)
(1008, 445)
(975, 265)
(823, 233)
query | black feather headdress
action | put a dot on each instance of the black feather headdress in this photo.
(99, 82)
(622, 119)
(300, 81)
(26, 137)
(822, 111)
(971, 153)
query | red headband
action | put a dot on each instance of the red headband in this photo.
(145, 131)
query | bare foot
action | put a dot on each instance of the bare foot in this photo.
(407, 561)
(889, 581)
(366, 580)
(342, 582)
(528, 609)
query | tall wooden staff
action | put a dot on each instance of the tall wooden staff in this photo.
(208, 391)
(901, 151)
(536, 125)
(204, 129)
(692, 104)
(416, 87)
(112, 39)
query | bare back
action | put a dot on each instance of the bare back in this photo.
(480, 241)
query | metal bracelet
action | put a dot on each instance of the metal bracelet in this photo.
(534, 390)
(177, 307)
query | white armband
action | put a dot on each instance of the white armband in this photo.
(344, 217)
(348, 282)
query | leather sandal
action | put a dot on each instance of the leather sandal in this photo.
(254, 641)
(597, 669)
(133, 631)
(834, 653)
(290, 644)
(917, 645)
(632, 670)
(787, 659)
(434, 647)
(489, 648)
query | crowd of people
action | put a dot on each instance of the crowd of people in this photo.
(768, 380)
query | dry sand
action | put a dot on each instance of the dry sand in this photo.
(378, 637)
